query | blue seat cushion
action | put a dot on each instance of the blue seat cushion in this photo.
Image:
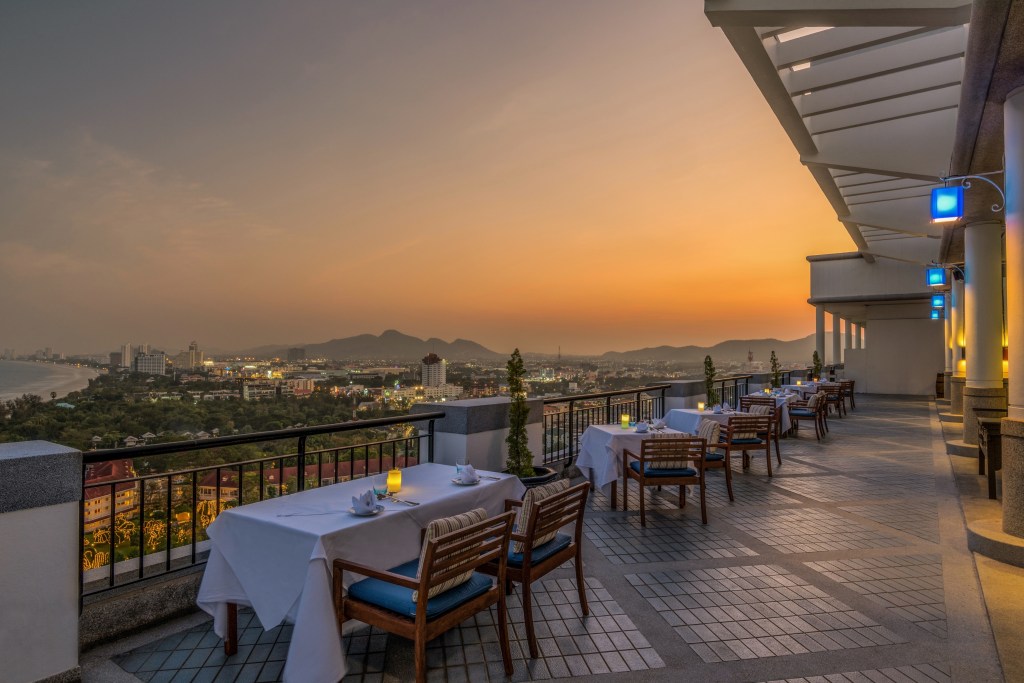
(541, 552)
(713, 457)
(678, 472)
(744, 441)
(803, 412)
(399, 598)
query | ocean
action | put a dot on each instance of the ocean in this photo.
(22, 377)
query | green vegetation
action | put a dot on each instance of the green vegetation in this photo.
(519, 459)
(816, 363)
(709, 381)
(776, 372)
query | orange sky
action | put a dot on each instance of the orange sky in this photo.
(594, 175)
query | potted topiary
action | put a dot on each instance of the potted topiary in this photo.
(816, 366)
(709, 381)
(518, 458)
(776, 372)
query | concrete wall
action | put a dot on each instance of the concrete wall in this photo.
(902, 356)
(855, 277)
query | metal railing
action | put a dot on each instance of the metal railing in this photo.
(133, 527)
(730, 389)
(567, 417)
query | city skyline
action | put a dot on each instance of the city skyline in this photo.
(532, 176)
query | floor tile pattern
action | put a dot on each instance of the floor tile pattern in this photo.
(910, 586)
(919, 518)
(622, 540)
(756, 611)
(920, 673)
(807, 530)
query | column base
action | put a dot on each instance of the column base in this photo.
(1013, 476)
(985, 537)
(981, 402)
(956, 394)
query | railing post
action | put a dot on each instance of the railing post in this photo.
(430, 441)
(608, 410)
(300, 461)
(639, 410)
(571, 430)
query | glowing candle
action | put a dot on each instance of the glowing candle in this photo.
(625, 420)
(394, 480)
(799, 382)
(700, 406)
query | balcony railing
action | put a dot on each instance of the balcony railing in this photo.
(731, 388)
(134, 527)
(567, 417)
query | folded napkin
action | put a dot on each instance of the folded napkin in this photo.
(717, 409)
(469, 475)
(659, 424)
(641, 427)
(365, 503)
(725, 406)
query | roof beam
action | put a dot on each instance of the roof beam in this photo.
(723, 13)
(809, 160)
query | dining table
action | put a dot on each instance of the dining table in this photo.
(804, 389)
(600, 457)
(276, 555)
(688, 419)
(781, 403)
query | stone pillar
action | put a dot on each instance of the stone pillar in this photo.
(856, 336)
(1013, 424)
(983, 327)
(40, 504)
(819, 332)
(847, 338)
(946, 308)
(863, 335)
(837, 353)
(474, 431)
(956, 382)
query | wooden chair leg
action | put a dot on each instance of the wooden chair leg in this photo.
(531, 637)
(625, 492)
(643, 514)
(615, 493)
(419, 646)
(778, 450)
(581, 585)
(682, 496)
(703, 504)
(768, 455)
(231, 638)
(506, 651)
(728, 480)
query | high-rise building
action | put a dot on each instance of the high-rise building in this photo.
(296, 354)
(433, 371)
(115, 359)
(150, 363)
(195, 356)
(126, 355)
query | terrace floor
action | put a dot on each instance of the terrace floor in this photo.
(850, 564)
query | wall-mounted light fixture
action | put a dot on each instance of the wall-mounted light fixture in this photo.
(936, 314)
(938, 300)
(948, 202)
(936, 277)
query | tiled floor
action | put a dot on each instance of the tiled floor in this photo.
(849, 565)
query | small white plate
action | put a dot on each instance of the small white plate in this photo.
(377, 509)
(462, 483)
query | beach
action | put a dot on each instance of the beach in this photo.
(25, 377)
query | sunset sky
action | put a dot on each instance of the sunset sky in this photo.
(596, 175)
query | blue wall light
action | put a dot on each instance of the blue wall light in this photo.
(938, 300)
(947, 204)
(936, 314)
(936, 277)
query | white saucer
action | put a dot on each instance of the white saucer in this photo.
(462, 483)
(377, 509)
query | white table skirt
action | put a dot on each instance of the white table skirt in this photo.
(803, 389)
(601, 446)
(688, 419)
(276, 555)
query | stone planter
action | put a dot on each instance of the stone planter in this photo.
(542, 475)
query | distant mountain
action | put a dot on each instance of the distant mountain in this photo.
(795, 351)
(390, 345)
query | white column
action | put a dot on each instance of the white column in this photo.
(836, 342)
(856, 336)
(1013, 121)
(847, 338)
(957, 323)
(983, 304)
(946, 312)
(863, 335)
(819, 332)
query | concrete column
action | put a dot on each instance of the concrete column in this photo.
(949, 345)
(956, 388)
(819, 332)
(1013, 424)
(863, 335)
(474, 431)
(984, 394)
(847, 338)
(40, 499)
(837, 353)
(856, 336)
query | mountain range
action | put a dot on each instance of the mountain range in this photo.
(394, 345)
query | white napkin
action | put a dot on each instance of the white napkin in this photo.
(365, 503)
(725, 406)
(469, 475)
(641, 427)
(659, 424)
(716, 409)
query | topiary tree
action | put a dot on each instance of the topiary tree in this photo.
(709, 381)
(816, 363)
(519, 459)
(776, 372)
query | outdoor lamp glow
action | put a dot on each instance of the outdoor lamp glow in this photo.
(936, 277)
(799, 382)
(936, 314)
(938, 301)
(625, 420)
(947, 204)
(394, 480)
(700, 406)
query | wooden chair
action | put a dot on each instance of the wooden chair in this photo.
(386, 598)
(741, 434)
(534, 560)
(833, 393)
(765, 405)
(847, 388)
(709, 430)
(812, 409)
(665, 462)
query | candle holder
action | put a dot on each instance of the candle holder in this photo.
(624, 418)
(700, 406)
(394, 480)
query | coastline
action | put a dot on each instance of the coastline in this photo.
(62, 379)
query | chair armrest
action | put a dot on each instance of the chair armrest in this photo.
(512, 503)
(627, 454)
(370, 572)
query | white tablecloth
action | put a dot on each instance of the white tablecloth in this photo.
(276, 555)
(803, 389)
(688, 419)
(601, 446)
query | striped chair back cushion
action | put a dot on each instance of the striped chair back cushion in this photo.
(529, 500)
(760, 410)
(812, 402)
(439, 527)
(709, 431)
